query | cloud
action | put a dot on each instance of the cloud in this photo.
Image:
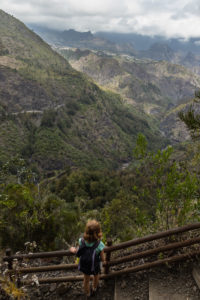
(170, 18)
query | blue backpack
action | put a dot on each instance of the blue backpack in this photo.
(89, 262)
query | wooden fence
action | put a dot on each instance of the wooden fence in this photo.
(112, 262)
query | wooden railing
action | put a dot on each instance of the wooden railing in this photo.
(188, 253)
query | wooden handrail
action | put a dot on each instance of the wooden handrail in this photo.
(114, 262)
(121, 272)
(153, 237)
(157, 250)
(9, 258)
(119, 246)
(50, 254)
(154, 264)
(47, 268)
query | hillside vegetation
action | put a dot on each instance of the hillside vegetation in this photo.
(156, 87)
(55, 115)
(64, 143)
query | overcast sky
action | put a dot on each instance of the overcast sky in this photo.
(170, 18)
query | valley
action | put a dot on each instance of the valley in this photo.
(156, 88)
(88, 132)
(73, 122)
(99, 120)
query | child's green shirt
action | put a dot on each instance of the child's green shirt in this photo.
(100, 247)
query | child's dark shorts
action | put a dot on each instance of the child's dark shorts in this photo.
(87, 271)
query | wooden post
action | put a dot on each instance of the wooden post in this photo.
(108, 254)
(10, 262)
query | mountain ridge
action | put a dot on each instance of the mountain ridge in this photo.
(55, 116)
(155, 87)
(157, 48)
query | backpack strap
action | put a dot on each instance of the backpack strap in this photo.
(96, 244)
(82, 243)
(94, 254)
(81, 247)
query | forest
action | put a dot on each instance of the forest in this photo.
(158, 190)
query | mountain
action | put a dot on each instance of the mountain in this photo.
(54, 116)
(159, 84)
(158, 51)
(174, 50)
(182, 52)
(156, 87)
(144, 42)
(87, 40)
(156, 78)
(161, 51)
(191, 61)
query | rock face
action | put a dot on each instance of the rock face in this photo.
(156, 87)
(158, 51)
(146, 82)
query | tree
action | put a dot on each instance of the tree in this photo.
(140, 150)
(191, 116)
(18, 215)
(24, 218)
(119, 218)
(170, 187)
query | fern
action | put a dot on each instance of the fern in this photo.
(11, 289)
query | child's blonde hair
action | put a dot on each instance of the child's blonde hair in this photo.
(92, 231)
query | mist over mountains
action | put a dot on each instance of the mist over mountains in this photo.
(61, 116)
(144, 42)
(138, 41)
(147, 72)
(178, 51)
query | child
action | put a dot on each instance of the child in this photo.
(90, 252)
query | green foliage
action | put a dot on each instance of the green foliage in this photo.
(11, 290)
(170, 187)
(17, 214)
(66, 119)
(58, 222)
(3, 50)
(177, 197)
(156, 194)
(197, 94)
(128, 121)
(85, 128)
(48, 118)
(72, 107)
(25, 217)
(119, 218)
(91, 189)
(16, 170)
(140, 149)
(191, 117)
(192, 121)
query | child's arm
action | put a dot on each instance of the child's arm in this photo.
(102, 255)
(73, 250)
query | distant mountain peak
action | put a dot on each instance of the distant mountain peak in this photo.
(161, 47)
(73, 35)
(159, 51)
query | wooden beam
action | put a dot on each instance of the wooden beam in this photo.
(47, 268)
(153, 237)
(154, 251)
(121, 272)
